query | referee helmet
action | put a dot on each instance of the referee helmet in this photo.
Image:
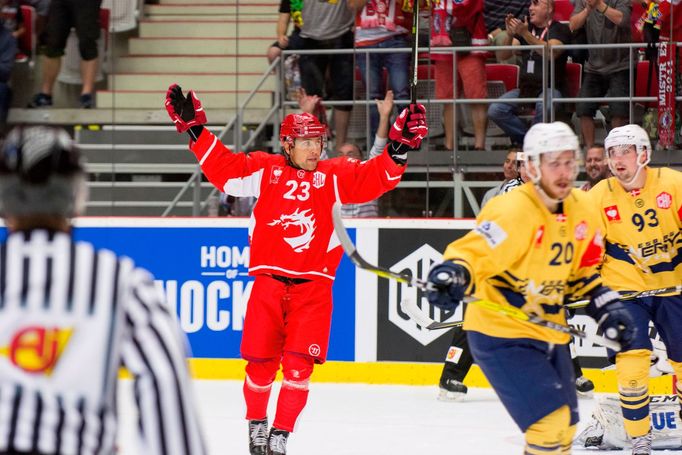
(41, 173)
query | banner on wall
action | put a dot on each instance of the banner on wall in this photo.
(203, 272)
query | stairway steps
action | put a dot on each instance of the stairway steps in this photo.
(138, 99)
(201, 29)
(207, 46)
(192, 63)
(199, 9)
(197, 82)
(218, 2)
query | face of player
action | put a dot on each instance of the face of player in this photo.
(509, 166)
(623, 162)
(558, 171)
(306, 152)
(595, 164)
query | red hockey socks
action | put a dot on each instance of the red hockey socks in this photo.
(257, 386)
(294, 393)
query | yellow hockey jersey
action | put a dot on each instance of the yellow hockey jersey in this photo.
(642, 231)
(523, 255)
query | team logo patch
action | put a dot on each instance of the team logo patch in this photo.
(454, 354)
(491, 232)
(314, 350)
(319, 179)
(37, 349)
(300, 174)
(275, 174)
(297, 229)
(581, 231)
(539, 235)
(612, 213)
(664, 200)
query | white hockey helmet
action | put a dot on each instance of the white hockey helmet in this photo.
(626, 136)
(549, 137)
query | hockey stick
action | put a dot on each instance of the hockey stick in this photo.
(413, 310)
(415, 46)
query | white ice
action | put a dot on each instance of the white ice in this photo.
(363, 419)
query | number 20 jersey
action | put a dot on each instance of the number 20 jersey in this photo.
(642, 231)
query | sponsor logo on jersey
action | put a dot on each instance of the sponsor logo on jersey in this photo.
(454, 354)
(314, 350)
(37, 349)
(319, 179)
(491, 232)
(664, 200)
(539, 235)
(612, 213)
(639, 202)
(581, 230)
(275, 173)
(300, 174)
(301, 223)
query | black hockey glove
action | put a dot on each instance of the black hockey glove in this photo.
(448, 283)
(614, 320)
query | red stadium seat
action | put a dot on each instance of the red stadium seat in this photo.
(27, 41)
(509, 74)
(563, 10)
(574, 79)
(642, 80)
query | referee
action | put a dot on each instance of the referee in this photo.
(71, 314)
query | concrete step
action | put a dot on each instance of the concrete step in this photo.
(189, 81)
(143, 209)
(125, 154)
(148, 191)
(207, 46)
(211, 9)
(138, 99)
(207, 29)
(213, 18)
(219, 2)
(173, 64)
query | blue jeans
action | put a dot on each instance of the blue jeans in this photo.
(397, 65)
(5, 99)
(506, 115)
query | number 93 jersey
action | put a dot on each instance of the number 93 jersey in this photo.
(523, 255)
(642, 231)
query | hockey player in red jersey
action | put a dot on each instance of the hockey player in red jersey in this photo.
(294, 250)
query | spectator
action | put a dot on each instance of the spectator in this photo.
(521, 178)
(284, 41)
(510, 171)
(539, 29)
(8, 50)
(462, 20)
(371, 208)
(382, 24)
(12, 17)
(328, 26)
(606, 70)
(596, 167)
(495, 12)
(64, 14)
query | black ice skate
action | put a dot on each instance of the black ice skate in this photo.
(277, 442)
(642, 445)
(452, 390)
(584, 386)
(258, 437)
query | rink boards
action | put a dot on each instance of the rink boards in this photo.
(200, 264)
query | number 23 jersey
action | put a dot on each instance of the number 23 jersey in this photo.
(642, 231)
(291, 230)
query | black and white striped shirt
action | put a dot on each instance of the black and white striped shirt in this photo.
(70, 316)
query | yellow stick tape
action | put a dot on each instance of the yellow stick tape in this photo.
(396, 373)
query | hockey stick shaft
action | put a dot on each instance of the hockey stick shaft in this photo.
(516, 313)
(415, 46)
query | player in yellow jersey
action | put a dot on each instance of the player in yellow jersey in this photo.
(532, 248)
(640, 209)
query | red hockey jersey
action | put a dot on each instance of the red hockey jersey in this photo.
(291, 231)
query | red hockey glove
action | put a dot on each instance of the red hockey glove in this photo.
(185, 112)
(410, 127)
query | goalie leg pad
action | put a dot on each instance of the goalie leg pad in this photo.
(548, 435)
(260, 374)
(293, 396)
(677, 368)
(632, 371)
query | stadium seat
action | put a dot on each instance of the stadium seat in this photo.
(563, 10)
(574, 79)
(509, 74)
(124, 14)
(70, 72)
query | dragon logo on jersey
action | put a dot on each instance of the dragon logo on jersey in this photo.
(37, 349)
(664, 200)
(302, 224)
